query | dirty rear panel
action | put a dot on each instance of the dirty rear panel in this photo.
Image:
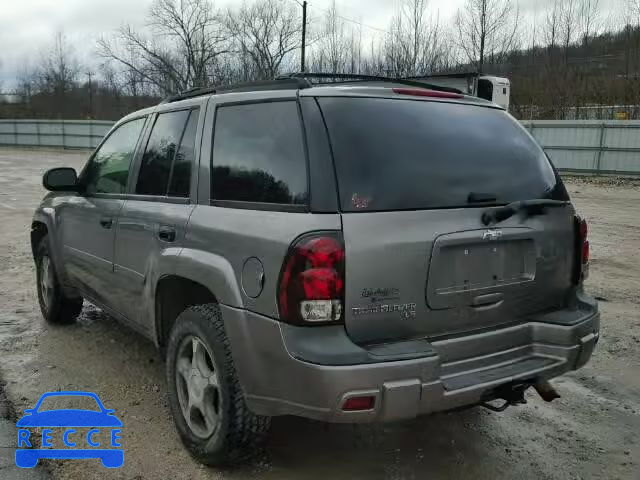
(414, 178)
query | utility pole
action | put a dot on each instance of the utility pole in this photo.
(483, 34)
(90, 74)
(304, 35)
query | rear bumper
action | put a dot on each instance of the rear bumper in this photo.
(283, 373)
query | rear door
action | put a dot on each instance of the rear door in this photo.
(153, 220)
(414, 178)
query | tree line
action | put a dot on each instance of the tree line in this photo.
(569, 59)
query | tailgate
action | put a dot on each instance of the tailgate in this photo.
(434, 273)
(414, 178)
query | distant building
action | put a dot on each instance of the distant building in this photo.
(10, 98)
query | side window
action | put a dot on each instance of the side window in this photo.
(108, 170)
(258, 154)
(161, 150)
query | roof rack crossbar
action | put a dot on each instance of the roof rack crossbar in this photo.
(281, 83)
(356, 78)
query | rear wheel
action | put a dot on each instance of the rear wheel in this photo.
(56, 307)
(206, 399)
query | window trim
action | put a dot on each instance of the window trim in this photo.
(157, 198)
(136, 150)
(261, 206)
(131, 191)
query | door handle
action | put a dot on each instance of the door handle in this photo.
(167, 234)
(487, 302)
(106, 222)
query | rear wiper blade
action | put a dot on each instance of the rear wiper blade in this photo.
(527, 207)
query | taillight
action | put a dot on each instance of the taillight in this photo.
(355, 404)
(582, 249)
(311, 289)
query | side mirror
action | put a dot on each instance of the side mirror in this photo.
(60, 180)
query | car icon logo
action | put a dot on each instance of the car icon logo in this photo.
(80, 445)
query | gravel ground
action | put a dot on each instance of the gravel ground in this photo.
(592, 432)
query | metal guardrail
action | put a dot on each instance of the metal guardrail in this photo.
(590, 146)
(583, 146)
(53, 133)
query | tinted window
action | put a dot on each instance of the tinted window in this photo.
(108, 170)
(181, 173)
(160, 152)
(407, 154)
(485, 89)
(258, 154)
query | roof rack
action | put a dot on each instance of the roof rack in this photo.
(345, 78)
(281, 83)
(301, 80)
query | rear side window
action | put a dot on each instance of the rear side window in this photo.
(258, 154)
(407, 154)
(166, 164)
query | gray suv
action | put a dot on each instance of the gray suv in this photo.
(358, 251)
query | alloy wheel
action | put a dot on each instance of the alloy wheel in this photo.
(198, 387)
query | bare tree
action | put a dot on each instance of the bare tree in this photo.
(110, 81)
(337, 47)
(373, 62)
(265, 34)
(186, 38)
(424, 40)
(568, 25)
(589, 14)
(551, 26)
(334, 44)
(487, 29)
(356, 50)
(59, 68)
(632, 8)
(416, 44)
(27, 81)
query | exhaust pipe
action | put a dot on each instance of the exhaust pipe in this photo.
(513, 394)
(546, 391)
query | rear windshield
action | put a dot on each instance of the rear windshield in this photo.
(406, 154)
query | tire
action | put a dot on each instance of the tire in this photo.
(55, 306)
(235, 433)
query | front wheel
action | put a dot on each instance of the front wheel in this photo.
(206, 399)
(55, 306)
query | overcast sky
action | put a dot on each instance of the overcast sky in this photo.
(28, 26)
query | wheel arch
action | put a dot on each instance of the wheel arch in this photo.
(39, 230)
(173, 294)
(44, 225)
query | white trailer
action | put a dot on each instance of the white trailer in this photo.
(494, 89)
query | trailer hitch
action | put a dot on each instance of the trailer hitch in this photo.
(512, 394)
